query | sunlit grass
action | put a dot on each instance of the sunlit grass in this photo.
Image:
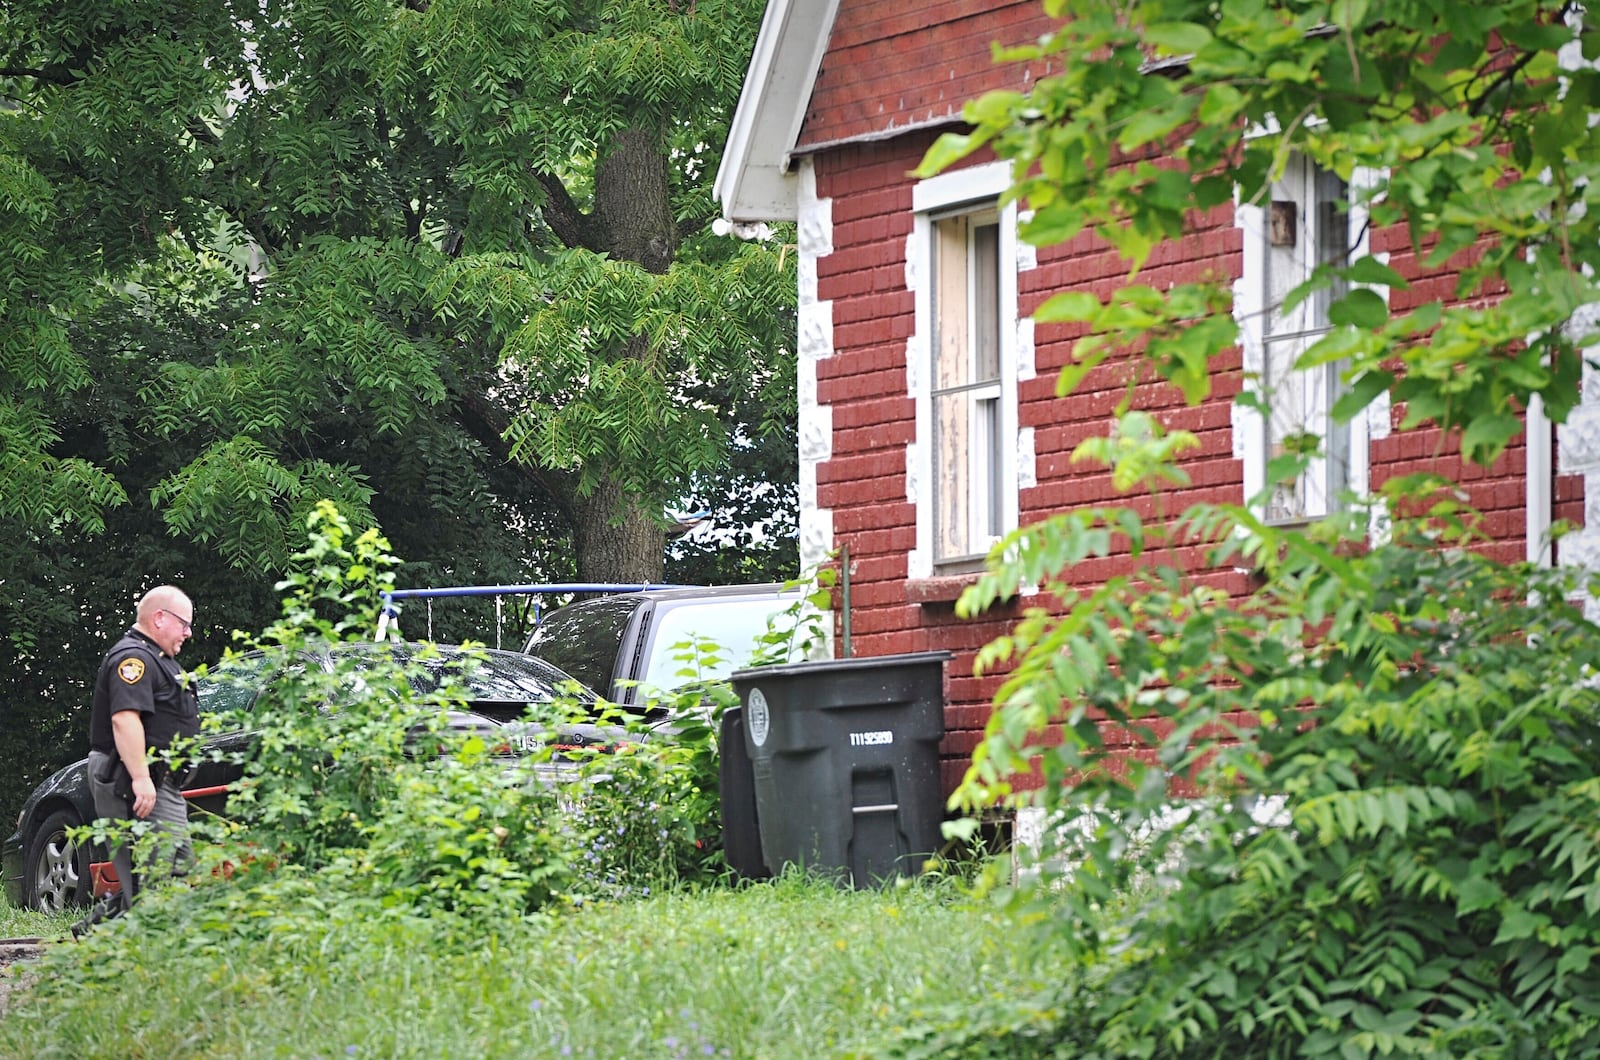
(789, 969)
(25, 923)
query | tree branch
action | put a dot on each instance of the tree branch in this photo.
(570, 224)
(55, 75)
(1505, 76)
(691, 225)
(488, 423)
(197, 128)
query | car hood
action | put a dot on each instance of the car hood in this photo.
(524, 737)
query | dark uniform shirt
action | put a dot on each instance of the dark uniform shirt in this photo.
(138, 675)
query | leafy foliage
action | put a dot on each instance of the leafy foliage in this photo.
(653, 816)
(224, 296)
(1389, 745)
(343, 786)
(1439, 102)
(1424, 881)
(347, 171)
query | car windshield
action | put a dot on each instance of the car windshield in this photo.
(500, 676)
(231, 684)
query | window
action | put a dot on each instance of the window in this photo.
(582, 639)
(232, 685)
(735, 626)
(964, 367)
(1308, 222)
(966, 385)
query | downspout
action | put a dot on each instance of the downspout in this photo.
(844, 600)
(1539, 467)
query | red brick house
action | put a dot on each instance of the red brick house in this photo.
(928, 420)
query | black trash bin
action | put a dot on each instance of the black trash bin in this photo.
(741, 835)
(845, 755)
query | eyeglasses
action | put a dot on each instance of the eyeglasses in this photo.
(188, 627)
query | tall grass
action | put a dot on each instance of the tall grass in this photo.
(26, 923)
(789, 969)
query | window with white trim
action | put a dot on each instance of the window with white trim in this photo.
(1307, 223)
(965, 397)
(964, 372)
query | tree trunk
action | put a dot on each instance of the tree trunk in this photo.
(633, 200)
(617, 540)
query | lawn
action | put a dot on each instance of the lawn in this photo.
(25, 923)
(786, 969)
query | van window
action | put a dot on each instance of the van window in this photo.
(734, 625)
(582, 639)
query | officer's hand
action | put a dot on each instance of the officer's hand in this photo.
(144, 797)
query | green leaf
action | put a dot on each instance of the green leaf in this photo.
(1360, 308)
(1177, 38)
(995, 106)
(1369, 270)
(1221, 103)
(946, 151)
(1152, 124)
(1362, 392)
(1518, 924)
(1068, 307)
(1486, 437)
(1349, 14)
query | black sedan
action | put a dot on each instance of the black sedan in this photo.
(43, 869)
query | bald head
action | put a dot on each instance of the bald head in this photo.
(166, 616)
(163, 596)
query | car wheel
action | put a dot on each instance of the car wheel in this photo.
(56, 871)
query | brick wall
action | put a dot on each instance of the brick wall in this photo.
(862, 382)
(893, 66)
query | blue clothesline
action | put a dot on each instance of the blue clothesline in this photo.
(391, 607)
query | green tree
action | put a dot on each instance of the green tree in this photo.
(445, 264)
(492, 217)
(1421, 722)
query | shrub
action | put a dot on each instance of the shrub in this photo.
(653, 819)
(1430, 723)
(352, 780)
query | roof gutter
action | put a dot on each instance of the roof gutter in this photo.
(756, 181)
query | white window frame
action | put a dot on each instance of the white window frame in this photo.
(975, 191)
(1255, 296)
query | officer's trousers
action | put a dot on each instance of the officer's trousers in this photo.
(169, 853)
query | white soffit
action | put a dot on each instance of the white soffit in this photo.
(754, 182)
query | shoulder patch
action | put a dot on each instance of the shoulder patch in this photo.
(131, 670)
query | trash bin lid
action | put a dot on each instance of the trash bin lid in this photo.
(859, 662)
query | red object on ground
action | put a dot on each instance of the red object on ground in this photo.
(104, 876)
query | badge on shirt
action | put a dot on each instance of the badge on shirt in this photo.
(131, 671)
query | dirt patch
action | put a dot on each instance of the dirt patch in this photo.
(15, 974)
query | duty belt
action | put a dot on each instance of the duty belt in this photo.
(161, 773)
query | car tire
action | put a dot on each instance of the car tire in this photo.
(55, 871)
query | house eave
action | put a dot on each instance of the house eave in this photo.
(756, 181)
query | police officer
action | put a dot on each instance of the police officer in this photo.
(142, 703)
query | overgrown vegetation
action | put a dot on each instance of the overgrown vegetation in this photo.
(336, 251)
(657, 818)
(344, 796)
(373, 898)
(356, 788)
(1395, 741)
(792, 968)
